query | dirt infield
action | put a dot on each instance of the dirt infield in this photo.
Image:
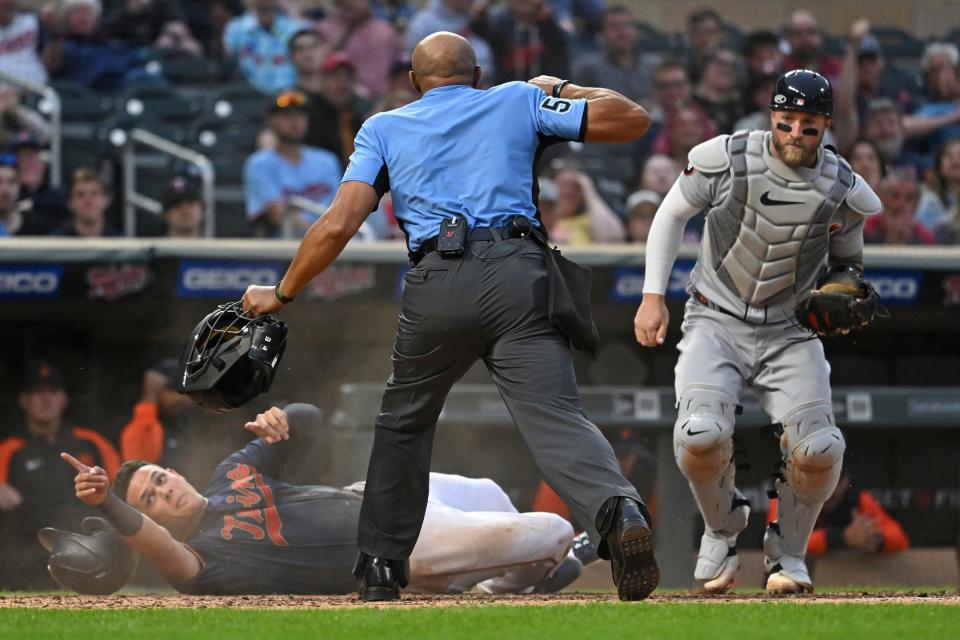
(173, 601)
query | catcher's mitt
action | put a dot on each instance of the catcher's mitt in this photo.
(843, 301)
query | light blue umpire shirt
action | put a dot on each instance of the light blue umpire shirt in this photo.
(460, 151)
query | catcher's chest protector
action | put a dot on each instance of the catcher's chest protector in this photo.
(770, 236)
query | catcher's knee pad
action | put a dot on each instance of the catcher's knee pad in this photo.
(813, 450)
(703, 433)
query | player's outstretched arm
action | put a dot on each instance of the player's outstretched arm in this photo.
(172, 558)
(323, 243)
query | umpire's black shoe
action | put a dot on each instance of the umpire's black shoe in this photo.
(380, 578)
(628, 544)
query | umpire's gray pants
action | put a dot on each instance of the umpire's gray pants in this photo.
(490, 304)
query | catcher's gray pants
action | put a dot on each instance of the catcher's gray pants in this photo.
(719, 357)
(779, 361)
(491, 304)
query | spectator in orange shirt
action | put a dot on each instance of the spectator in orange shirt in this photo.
(34, 487)
(156, 428)
(852, 519)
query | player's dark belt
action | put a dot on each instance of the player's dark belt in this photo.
(702, 299)
(479, 234)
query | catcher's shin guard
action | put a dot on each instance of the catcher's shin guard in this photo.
(717, 560)
(703, 448)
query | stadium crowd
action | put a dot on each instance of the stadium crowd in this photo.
(321, 69)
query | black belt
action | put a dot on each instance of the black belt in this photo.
(479, 234)
(702, 299)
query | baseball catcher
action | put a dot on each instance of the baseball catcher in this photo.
(249, 532)
(781, 209)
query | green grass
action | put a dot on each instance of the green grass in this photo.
(613, 621)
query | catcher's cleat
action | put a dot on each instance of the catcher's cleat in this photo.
(786, 574)
(717, 563)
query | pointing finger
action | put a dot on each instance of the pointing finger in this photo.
(73, 462)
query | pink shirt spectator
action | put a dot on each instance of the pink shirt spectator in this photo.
(373, 47)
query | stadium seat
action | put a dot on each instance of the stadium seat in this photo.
(183, 68)
(80, 109)
(239, 102)
(152, 103)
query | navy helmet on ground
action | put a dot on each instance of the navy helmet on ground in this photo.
(94, 562)
(230, 358)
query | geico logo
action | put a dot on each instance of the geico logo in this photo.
(630, 286)
(199, 278)
(899, 288)
(28, 282)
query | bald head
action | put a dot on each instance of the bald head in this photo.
(443, 58)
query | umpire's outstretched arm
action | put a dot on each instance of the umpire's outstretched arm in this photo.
(322, 244)
(611, 116)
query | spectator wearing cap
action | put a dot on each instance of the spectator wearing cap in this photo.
(11, 217)
(20, 43)
(372, 44)
(44, 207)
(338, 76)
(182, 209)
(641, 207)
(526, 40)
(33, 477)
(88, 203)
(896, 224)
(452, 16)
(257, 43)
(159, 426)
(308, 50)
(806, 47)
(77, 49)
(290, 168)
